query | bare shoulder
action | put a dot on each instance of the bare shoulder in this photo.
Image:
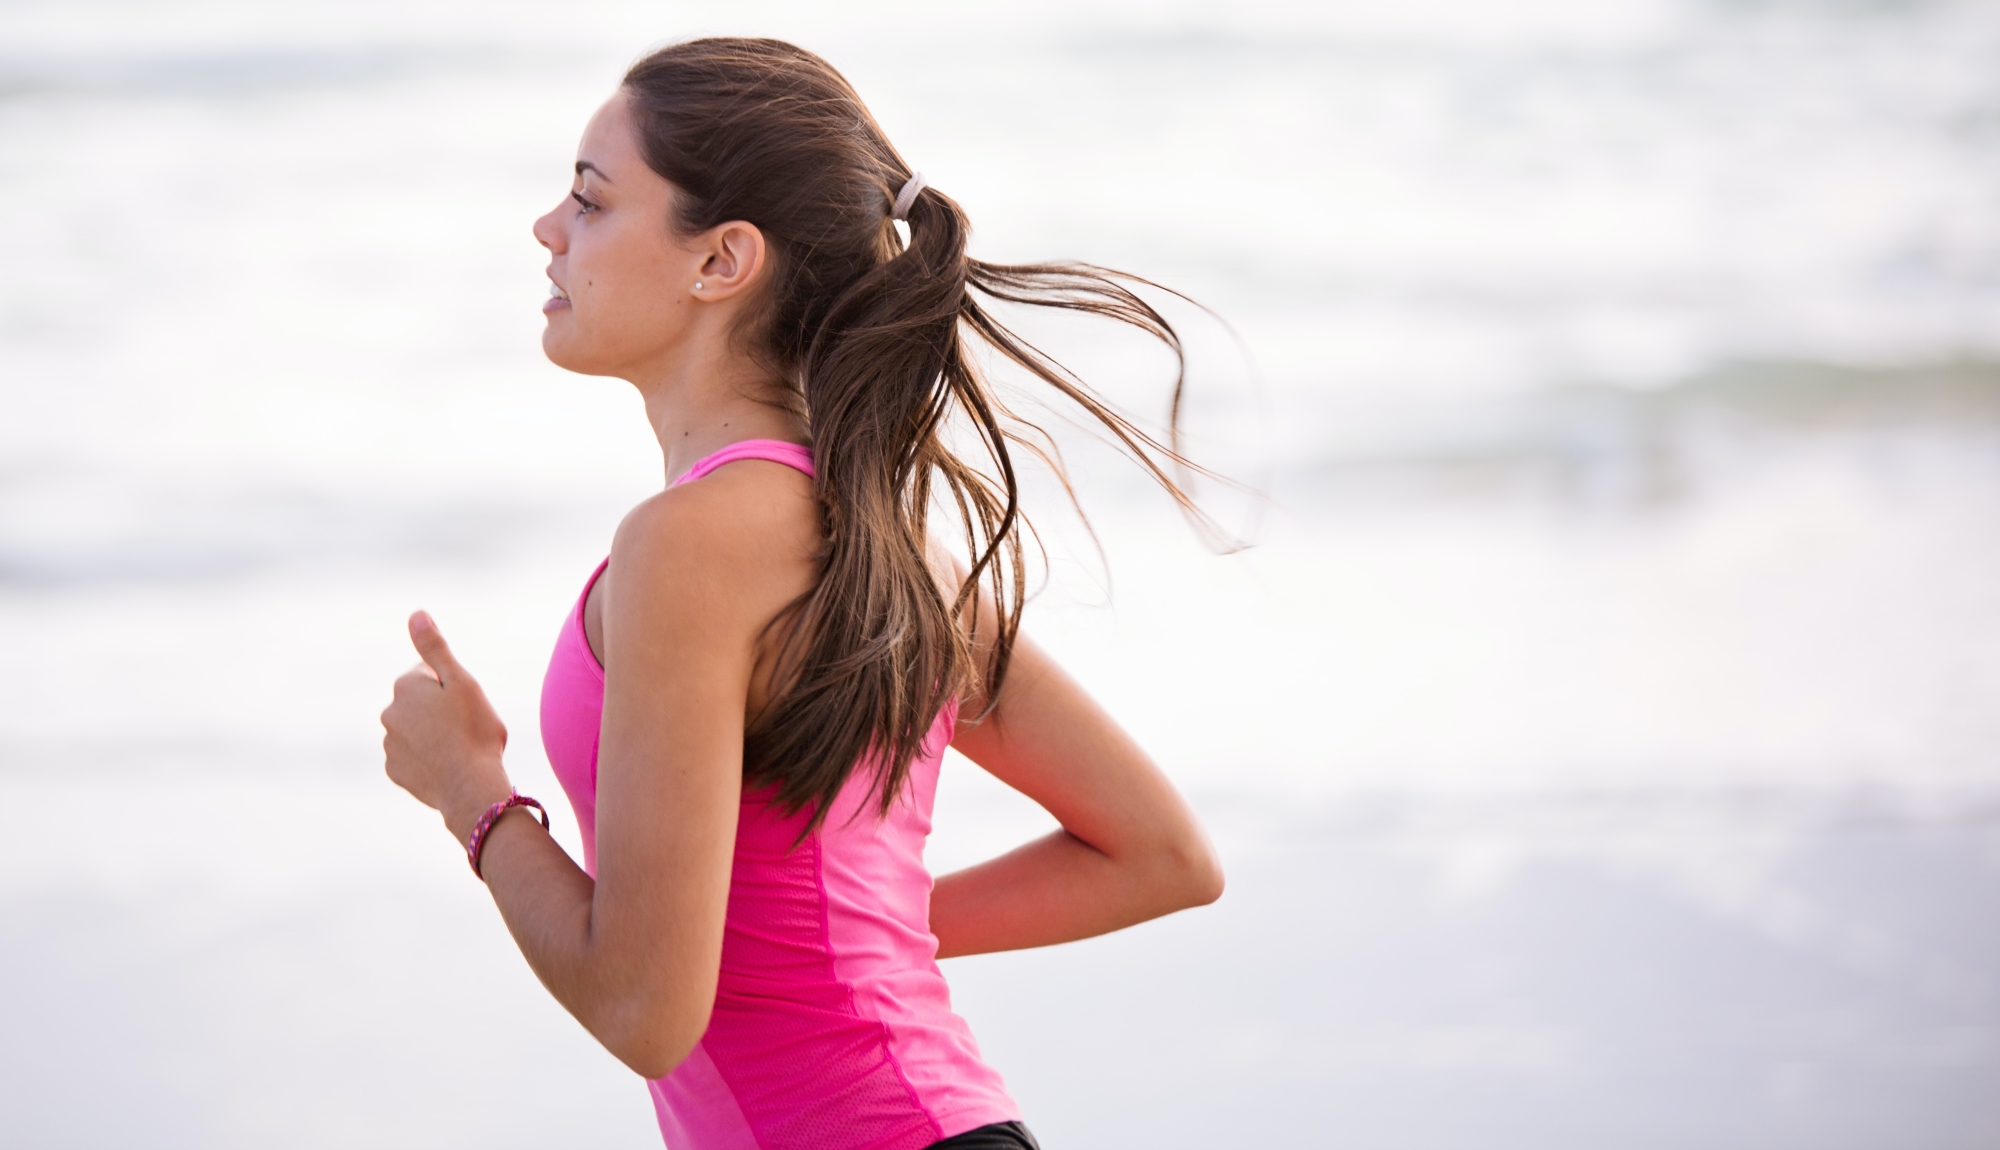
(746, 536)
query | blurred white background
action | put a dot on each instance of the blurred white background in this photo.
(1602, 737)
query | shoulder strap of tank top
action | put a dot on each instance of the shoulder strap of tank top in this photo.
(769, 450)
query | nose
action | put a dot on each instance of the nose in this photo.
(549, 231)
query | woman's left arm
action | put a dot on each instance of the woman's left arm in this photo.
(1130, 848)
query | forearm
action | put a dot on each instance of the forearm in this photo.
(1058, 889)
(545, 900)
(547, 903)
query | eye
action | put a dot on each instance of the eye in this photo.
(583, 205)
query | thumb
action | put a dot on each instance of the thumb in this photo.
(431, 647)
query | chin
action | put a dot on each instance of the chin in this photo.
(560, 348)
(552, 345)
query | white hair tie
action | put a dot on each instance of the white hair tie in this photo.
(906, 197)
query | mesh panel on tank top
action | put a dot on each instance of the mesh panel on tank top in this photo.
(794, 1021)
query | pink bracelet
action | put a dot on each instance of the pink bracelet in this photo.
(476, 841)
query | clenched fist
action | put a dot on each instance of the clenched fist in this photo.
(443, 741)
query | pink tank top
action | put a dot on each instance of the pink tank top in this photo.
(832, 1028)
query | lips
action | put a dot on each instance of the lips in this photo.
(558, 299)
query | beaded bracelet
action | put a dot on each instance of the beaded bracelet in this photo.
(476, 841)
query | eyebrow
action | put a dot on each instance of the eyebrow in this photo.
(583, 166)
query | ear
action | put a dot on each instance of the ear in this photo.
(733, 256)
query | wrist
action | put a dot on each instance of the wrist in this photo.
(482, 830)
(471, 801)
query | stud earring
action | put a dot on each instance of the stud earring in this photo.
(697, 285)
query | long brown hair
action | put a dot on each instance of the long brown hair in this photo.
(870, 336)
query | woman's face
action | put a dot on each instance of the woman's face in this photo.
(620, 276)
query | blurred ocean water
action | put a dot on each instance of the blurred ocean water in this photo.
(1602, 737)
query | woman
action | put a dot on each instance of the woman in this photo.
(748, 705)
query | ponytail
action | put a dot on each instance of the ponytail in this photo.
(869, 336)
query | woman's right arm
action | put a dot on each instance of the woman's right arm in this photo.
(634, 954)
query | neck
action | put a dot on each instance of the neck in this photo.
(699, 404)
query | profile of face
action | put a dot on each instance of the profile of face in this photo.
(623, 284)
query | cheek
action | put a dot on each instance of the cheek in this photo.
(622, 301)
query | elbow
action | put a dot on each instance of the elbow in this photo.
(655, 1062)
(1196, 873)
(1205, 882)
(654, 1043)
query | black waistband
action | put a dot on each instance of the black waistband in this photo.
(999, 1136)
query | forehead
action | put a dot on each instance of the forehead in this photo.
(609, 142)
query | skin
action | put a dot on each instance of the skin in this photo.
(678, 619)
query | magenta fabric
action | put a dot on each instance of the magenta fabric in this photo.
(572, 715)
(832, 1027)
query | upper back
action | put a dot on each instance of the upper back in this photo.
(763, 511)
